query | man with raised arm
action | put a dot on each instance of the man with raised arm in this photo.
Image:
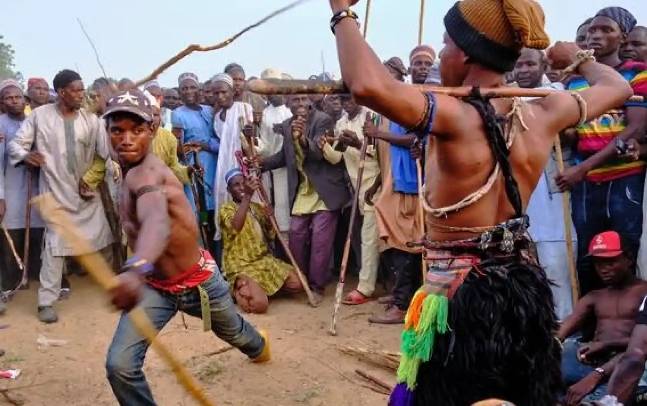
(486, 308)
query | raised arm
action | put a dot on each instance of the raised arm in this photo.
(372, 85)
(607, 90)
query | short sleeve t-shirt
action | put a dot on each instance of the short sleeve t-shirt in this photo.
(596, 134)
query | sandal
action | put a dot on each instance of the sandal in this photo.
(355, 297)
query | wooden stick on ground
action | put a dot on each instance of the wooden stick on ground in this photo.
(96, 266)
(353, 213)
(568, 227)
(287, 87)
(383, 359)
(275, 225)
(199, 48)
(373, 379)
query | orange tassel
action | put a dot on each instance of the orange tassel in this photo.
(415, 309)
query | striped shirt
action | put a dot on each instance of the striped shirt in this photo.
(596, 134)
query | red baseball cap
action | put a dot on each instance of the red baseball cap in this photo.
(606, 245)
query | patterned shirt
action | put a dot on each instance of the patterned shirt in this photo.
(596, 134)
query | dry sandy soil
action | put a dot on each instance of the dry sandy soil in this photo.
(307, 368)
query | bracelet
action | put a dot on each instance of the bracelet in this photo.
(337, 17)
(138, 265)
(581, 56)
(600, 371)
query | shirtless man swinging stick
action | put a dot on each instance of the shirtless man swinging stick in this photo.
(486, 308)
(168, 271)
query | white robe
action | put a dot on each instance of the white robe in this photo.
(13, 182)
(270, 143)
(44, 129)
(229, 133)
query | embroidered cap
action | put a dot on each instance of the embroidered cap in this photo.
(132, 101)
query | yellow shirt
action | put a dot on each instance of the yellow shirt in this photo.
(164, 146)
(307, 200)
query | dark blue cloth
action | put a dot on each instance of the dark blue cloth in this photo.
(602, 206)
(403, 167)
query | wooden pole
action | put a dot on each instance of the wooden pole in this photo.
(568, 226)
(25, 253)
(421, 215)
(199, 48)
(275, 225)
(421, 21)
(344, 259)
(96, 266)
(12, 246)
(368, 12)
(288, 87)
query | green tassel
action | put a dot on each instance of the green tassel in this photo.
(408, 342)
(408, 371)
(417, 345)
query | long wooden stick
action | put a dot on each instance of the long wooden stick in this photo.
(199, 48)
(421, 21)
(368, 13)
(94, 48)
(288, 87)
(25, 253)
(374, 380)
(275, 225)
(421, 214)
(568, 227)
(344, 259)
(12, 246)
(96, 266)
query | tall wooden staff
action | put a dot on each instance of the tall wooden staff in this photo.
(568, 226)
(421, 192)
(349, 236)
(25, 257)
(275, 225)
(96, 266)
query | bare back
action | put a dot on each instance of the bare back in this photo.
(182, 250)
(460, 163)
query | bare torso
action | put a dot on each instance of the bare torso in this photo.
(616, 310)
(459, 164)
(182, 250)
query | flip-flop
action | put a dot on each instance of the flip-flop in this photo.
(355, 297)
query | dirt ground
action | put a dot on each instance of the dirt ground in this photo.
(306, 369)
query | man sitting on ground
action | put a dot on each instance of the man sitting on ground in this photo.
(586, 366)
(247, 261)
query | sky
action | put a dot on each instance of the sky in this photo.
(133, 37)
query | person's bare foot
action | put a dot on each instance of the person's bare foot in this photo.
(317, 298)
(391, 315)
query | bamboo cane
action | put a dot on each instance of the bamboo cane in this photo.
(199, 48)
(421, 21)
(288, 87)
(25, 253)
(96, 266)
(275, 225)
(568, 227)
(349, 236)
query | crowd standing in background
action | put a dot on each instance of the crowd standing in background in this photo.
(226, 146)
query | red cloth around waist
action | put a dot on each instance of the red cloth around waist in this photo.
(188, 279)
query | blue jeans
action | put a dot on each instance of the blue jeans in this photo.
(128, 349)
(574, 371)
(597, 207)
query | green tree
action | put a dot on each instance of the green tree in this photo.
(7, 67)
